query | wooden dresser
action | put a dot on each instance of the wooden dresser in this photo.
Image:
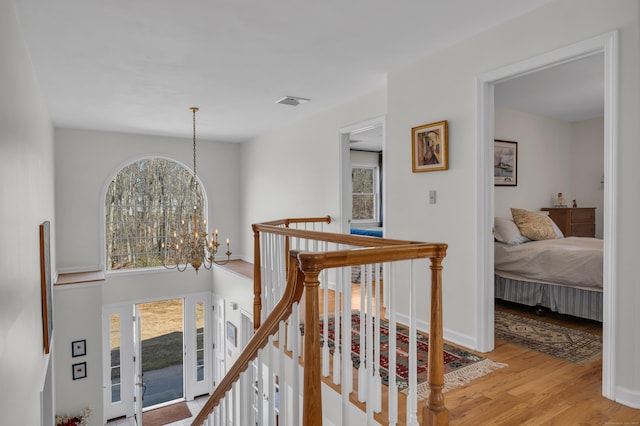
(576, 222)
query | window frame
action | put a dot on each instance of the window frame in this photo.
(376, 193)
(103, 214)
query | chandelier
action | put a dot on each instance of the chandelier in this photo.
(189, 244)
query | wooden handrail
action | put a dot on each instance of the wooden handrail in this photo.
(292, 294)
(303, 275)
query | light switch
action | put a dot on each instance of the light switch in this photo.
(432, 196)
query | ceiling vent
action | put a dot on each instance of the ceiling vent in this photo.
(292, 100)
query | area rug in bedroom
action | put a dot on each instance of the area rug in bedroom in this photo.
(166, 415)
(460, 366)
(565, 343)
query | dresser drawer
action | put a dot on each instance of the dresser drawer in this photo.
(583, 230)
(579, 215)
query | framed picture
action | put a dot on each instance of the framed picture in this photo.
(232, 334)
(505, 163)
(78, 348)
(430, 147)
(79, 370)
(46, 286)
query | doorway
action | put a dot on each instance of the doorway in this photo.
(607, 45)
(161, 360)
(155, 353)
(362, 147)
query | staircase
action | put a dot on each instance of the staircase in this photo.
(278, 378)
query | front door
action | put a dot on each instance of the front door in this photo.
(155, 353)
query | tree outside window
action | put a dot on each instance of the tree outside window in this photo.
(145, 203)
(364, 190)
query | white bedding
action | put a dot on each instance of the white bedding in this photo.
(572, 261)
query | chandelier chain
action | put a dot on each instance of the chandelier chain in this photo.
(194, 110)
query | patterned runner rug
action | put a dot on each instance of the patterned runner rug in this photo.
(567, 344)
(460, 366)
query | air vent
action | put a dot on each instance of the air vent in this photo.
(292, 100)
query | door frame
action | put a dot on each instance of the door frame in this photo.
(608, 45)
(345, 168)
(127, 384)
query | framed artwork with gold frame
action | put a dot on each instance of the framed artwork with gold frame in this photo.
(430, 147)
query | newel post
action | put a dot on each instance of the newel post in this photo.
(257, 279)
(434, 412)
(312, 405)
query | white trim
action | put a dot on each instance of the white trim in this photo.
(628, 397)
(449, 335)
(345, 167)
(607, 43)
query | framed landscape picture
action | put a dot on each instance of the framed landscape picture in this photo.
(505, 163)
(430, 147)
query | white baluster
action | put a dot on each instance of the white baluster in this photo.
(393, 388)
(362, 370)
(270, 394)
(412, 402)
(295, 379)
(281, 374)
(377, 380)
(340, 275)
(260, 383)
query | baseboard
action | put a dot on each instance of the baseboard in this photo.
(628, 397)
(449, 335)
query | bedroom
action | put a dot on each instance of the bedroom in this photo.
(559, 134)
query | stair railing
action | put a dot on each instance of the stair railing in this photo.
(278, 251)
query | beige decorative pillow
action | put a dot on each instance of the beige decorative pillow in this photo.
(533, 225)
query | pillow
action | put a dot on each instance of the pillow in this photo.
(533, 225)
(557, 230)
(506, 231)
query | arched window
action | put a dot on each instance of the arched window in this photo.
(145, 203)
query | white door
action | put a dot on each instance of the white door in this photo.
(220, 368)
(137, 366)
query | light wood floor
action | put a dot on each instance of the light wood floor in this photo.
(535, 389)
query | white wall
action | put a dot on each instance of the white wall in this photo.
(85, 162)
(587, 167)
(443, 86)
(27, 200)
(234, 289)
(295, 171)
(553, 156)
(544, 160)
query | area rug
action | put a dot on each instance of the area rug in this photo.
(165, 415)
(460, 366)
(567, 344)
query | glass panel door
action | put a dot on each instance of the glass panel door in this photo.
(162, 351)
(198, 345)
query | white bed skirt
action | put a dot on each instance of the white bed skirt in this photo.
(564, 300)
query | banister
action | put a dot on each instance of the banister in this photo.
(257, 270)
(304, 276)
(292, 294)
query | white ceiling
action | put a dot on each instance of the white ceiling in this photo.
(572, 91)
(137, 66)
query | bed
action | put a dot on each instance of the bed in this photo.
(561, 274)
